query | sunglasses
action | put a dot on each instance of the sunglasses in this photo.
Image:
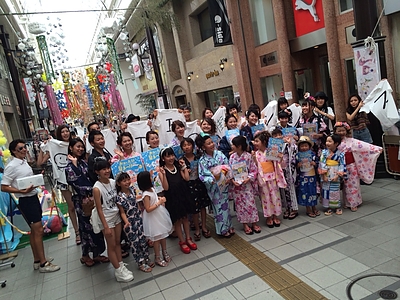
(20, 148)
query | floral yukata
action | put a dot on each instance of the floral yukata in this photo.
(78, 178)
(288, 194)
(134, 231)
(217, 193)
(360, 160)
(270, 179)
(243, 195)
(332, 168)
(307, 179)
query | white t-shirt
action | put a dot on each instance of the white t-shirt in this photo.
(108, 194)
(17, 168)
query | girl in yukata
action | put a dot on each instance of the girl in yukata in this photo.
(209, 127)
(132, 218)
(270, 179)
(213, 168)
(244, 191)
(360, 160)
(306, 162)
(288, 194)
(224, 144)
(252, 117)
(332, 169)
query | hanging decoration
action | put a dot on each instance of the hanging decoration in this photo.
(52, 104)
(46, 59)
(94, 89)
(114, 60)
(89, 96)
(115, 96)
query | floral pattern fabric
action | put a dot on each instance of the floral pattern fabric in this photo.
(268, 186)
(134, 232)
(217, 194)
(246, 209)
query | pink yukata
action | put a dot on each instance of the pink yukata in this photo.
(269, 182)
(243, 195)
(361, 160)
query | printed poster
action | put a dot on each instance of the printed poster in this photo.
(239, 172)
(275, 148)
(151, 160)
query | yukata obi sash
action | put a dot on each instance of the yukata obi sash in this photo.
(267, 167)
(332, 163)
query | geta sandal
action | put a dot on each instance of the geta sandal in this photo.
(124, 254)
(317, 213)
(329, 212)
(354, 209)
(197, 236)
(270, 222)
(88, 262)
(160, 262)
(101, 259)
(248, 230)
(293, 215)
(256, 228)
(226, 235)
(339, 211)
(277, 222)
(206, 234)
(311, 214)
(286, 214)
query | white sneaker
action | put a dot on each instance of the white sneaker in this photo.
(48, 267)
(124, 268)
(122, 276)
(37, 265)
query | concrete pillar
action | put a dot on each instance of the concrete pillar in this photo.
(244, 54)
(335, 62)
(284, 56)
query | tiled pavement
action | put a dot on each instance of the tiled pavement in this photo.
(326, 253)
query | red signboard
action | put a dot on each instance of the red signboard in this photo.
(308, 16)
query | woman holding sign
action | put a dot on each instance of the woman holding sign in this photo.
(127, 147)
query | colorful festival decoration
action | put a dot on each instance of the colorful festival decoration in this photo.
(94, 89)
(114, 60)
(46, 59)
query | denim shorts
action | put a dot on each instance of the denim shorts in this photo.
(362, 135)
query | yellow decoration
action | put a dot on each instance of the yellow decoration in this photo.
(3, 141)
(44, 77)
(6, 153)
(57, 85)
(1, 133)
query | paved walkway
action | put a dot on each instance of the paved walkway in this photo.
(302, 259)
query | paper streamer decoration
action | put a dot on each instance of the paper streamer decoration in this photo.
(89, 96)
(114, 59)
(46, 59)
(52, 104)
(94, 89)
(114, 97)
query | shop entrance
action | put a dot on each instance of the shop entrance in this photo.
(220, 97)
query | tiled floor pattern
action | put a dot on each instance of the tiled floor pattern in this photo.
(325, 253)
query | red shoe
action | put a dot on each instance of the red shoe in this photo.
(184, 247)
(190, 244)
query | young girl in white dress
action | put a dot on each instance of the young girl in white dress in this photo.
(157, 223)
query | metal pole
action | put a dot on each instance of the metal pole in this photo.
(156, 66)
(16, 81)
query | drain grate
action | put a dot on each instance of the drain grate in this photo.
(388, 294)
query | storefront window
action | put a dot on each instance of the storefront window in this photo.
(351, 76)
(262, 18)
(272, 87)
(345, 5)
(205, 24)
(216, 98)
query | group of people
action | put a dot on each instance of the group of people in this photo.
(212, 170)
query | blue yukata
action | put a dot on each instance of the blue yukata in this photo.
(217, 193)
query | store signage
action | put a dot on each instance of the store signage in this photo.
(212, 74)
(220, 23)
(308, 16)
(269, 59)
(392, 6)
(4, 100)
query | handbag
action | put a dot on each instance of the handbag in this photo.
(87, 205)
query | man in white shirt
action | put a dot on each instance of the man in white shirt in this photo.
(28, 203)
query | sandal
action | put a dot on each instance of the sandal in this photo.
(190, 244)
(256, 228)
(206, 234)
(226, 235)
(270, 222)
(150, 243)
(150, 263)
(232, 231)
(160, 262)
(101, 259)
(197, 237)
(339, 211)
(317, 213)
(277, 222)
(311, 214)
(77, 238)
(88, 262)
(184, 247)
(286, 214)
(293, 215)
(354, 209)
(329, 212)
(145, 268)
(166, 256)
(248, 230)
